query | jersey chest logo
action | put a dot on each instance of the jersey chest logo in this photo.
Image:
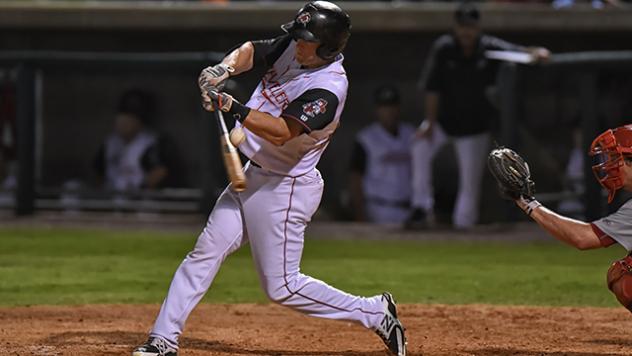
(273, 90)
(313, 108)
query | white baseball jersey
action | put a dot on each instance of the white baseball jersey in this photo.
(313, 97)
(616, 227)
(123, 160)
(388, 161)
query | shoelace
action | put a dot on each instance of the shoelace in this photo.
(160, 344)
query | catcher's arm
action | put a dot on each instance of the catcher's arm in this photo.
(573, 232)
(515, 183)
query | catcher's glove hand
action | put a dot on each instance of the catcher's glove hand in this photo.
(214, 77)
(511, 173)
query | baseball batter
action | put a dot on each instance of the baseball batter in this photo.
(288, 123)
(612, 151)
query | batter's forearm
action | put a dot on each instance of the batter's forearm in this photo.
(273, 129)
(573, 232)
(241, 59)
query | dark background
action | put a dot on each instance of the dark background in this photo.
(79, 101)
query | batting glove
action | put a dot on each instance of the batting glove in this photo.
(214, 77)
(215, 100)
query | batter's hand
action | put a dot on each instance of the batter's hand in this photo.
(214, 77)
(215, 100)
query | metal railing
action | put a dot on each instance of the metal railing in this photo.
(30, 64)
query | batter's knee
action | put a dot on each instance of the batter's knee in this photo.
(276, 290)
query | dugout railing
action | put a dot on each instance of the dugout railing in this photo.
(32, 66)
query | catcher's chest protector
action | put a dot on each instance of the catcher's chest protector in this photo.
(620, 281)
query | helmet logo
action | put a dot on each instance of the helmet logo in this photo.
(303, 18)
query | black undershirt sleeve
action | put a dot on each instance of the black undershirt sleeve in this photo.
(152, 157)
(268, 51)
(314, 109)
(358, 159)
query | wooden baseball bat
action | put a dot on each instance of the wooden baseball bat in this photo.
(234, 169)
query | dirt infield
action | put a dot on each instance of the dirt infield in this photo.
(247, 329)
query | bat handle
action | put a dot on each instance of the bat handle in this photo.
(232, 163)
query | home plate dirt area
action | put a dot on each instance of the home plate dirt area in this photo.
(266, 329)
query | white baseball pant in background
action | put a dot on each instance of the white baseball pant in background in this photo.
(471, 152)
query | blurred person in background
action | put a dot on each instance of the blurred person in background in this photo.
(595, 4)
(8, 130)
(614, 89)
(380, 181)
(455, 81)
(132, 156)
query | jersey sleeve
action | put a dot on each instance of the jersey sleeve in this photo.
(618, 225)
(314, 109)
(604, 239)
(268, 51)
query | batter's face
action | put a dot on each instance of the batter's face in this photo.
(306, 54)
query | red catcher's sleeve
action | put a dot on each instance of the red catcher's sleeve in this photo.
(603, 238)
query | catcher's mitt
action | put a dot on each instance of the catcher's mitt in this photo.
(512, 174)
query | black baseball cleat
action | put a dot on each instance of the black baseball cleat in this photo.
(417, 220)
(391, 329)
(155, 346)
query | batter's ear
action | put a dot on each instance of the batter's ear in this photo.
(620, 281)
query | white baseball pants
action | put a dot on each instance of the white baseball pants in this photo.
(271, 215)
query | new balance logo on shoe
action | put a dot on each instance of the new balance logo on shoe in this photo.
(388, 323)
(391, 329)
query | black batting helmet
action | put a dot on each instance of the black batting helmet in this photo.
(323, 22)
